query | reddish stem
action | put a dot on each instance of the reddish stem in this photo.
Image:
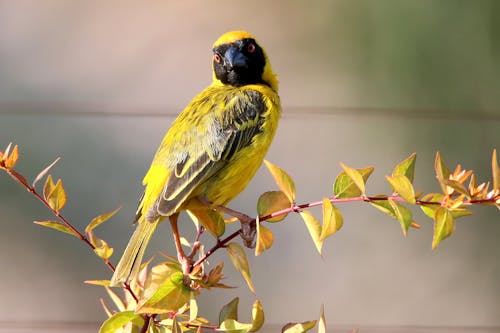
(80, 235)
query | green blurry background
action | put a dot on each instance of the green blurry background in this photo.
(362, 82)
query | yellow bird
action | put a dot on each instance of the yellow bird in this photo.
(213, 148)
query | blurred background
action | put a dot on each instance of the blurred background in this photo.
(362, 82)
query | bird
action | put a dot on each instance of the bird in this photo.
(212, 149)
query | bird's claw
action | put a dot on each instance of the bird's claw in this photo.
(248, 232)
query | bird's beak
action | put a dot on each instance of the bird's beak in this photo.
(234, 58)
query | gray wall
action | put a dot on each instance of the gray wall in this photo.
(362, 82)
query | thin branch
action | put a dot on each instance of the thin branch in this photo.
(296, 208)
(56, 213)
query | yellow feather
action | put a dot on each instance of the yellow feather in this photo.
(211, 151)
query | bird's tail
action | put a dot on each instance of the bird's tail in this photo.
(130, 262)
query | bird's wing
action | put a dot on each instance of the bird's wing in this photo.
(231, 126)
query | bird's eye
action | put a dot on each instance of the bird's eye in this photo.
(251, 48)
(217, 58)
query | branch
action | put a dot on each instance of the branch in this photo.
(298, 207)
(31, 188)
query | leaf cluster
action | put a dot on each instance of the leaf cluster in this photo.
(163, 297)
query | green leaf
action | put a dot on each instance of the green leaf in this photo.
(283, 180)
(443, 226)
(345, 187)
(100, 219)
(298, 327)
(240, 262)
(332, 220)
(229, 311)
(57, 226)
(442, 172)
(402, 185)
(120, 319)
(257, 316)
(265, 239)
(210, 219)
(495, 170)
(314, 228)
(271, 202)
(169, 296)
(233, 326)
(406, 168)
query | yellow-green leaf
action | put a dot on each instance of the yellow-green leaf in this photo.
(257, 316)
(240, 262)
(210, 219)
(298, 327)
(120, 305)
(406, 168)
(322, 321)
(176, 327)
(48, 187)
(193, 307)
(430, 209)
(402, 185)
(170, 296)
(283, 180)
(397, 211)
(345, 187)
(442, 171)
(443, 226)
(314, 228)
(54, 194)
(102, 249)
(495, 170)
(103, 283)
(233, 326)
(57, 226)
(120, 319)
(265, 239)
(100, 219)
(332, 219)
(271, 202)
(402, 214)
(355, 176)
(384, 206)
(229, 311)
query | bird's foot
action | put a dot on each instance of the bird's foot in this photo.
(248, 232)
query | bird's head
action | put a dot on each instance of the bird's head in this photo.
(238, 60)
